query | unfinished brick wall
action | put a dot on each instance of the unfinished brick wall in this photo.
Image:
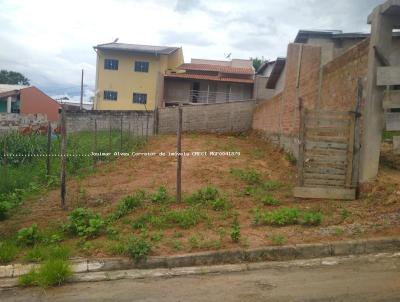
(330, 87)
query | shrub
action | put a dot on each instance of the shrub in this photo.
(161, 196)
(129, 203)
(138, 248)
(312, 218)
(270, 200)
(8, 251)
(29, 279)
(28, 236)
(235, 231)
(278, 239)
(84, 223)
(140, 223)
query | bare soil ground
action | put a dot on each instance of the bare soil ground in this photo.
(376, 213)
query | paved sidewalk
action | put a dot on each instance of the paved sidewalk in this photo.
(362, 278)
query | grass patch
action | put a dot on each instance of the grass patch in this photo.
(235, 230)
(53, 272)
(127, 204)
(269, 200)
(28, 236)
(312, 218)
(8, 251)
(251, 177)
(278, 239)
(161, 196)
(278, 217)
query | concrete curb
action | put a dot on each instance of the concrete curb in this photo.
(272, 253)
(133, 274)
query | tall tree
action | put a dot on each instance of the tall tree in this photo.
(13, 78)
(257, 62)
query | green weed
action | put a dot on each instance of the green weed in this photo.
(312, 218)
(138, 248)
(269, 200)
(8, 251)
(278, 239)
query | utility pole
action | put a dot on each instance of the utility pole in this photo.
(81, 104)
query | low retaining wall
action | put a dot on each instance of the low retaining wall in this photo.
(219, 118)
(134, 121)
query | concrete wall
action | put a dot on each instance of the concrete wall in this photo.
(334, 88)
(15, 121)
(133, 120)
(221, 118)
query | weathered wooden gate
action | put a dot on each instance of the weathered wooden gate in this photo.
(326, 155)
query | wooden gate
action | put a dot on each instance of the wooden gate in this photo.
(326, 155)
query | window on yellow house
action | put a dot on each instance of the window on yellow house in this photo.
(140, 98)
(110, 95)
(141, 66)
(111, 64)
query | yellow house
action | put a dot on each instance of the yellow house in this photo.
(130, 76)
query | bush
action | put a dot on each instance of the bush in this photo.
(235, 231)
(84, 223)
(312, 218)
(161, 196)
(278, 217)
(28, 236)
(8, 251)
(129, 203)
(138, 248)
(270, 200)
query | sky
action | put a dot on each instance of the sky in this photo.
(50, 41)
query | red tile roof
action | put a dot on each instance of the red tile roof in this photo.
(208, 77)
(218, 68)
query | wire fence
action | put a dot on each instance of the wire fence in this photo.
(33, 161)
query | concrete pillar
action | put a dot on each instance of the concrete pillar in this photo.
(9, 104)
(373, 116)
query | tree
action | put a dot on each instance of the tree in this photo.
(13, 78)
(257, 62)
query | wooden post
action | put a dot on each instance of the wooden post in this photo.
(147, 125)
(120, 145)
(63, 156)
(5, 158)
(350, 151)
(95, 144)
(357, 137)
(109, 135)
(48, 149)
(179, 156)
(300, 159)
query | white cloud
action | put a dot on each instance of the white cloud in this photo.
(51, 41)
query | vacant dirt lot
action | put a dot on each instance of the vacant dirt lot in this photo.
(376, 213)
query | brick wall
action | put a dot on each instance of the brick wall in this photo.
(330, 87)
(221, 118)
